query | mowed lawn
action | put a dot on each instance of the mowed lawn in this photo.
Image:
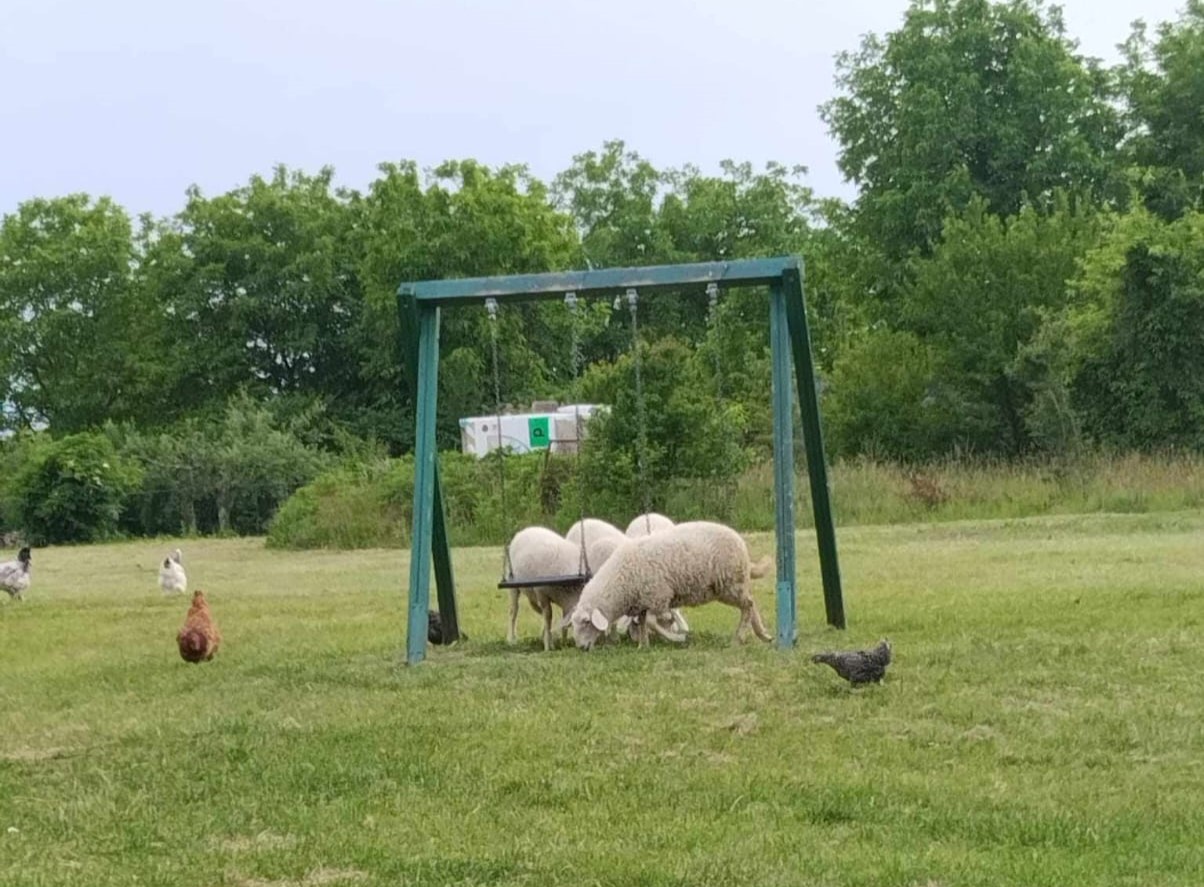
(1043, 724)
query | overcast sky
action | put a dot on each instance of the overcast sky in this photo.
(139, 99)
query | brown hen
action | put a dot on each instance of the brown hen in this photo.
(199, 639)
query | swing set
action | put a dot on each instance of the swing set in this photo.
(420, 304)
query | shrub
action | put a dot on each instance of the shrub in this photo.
(225, 476)
(74, 490)
(368, 505)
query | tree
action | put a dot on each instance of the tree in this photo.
(260, 289)
(969, 98)
(465, 220)
(981, 297)
(883, 399)
(613, 195)
(687, 436)
(1164, 87)
(1136, 368)
(79, 342)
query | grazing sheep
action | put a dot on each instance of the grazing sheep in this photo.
(599, 550)
(172, 578)
(602, 540)
(687, 565)
(593, 528)
(674, 623)
(15, 576)
(199, 638)
(537, 552)
(647, 524)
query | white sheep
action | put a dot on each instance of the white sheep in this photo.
(537, 552)
(647, 524)
(592, 528)
(602, 539)
(687, 565)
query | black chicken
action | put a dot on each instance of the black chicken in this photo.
(859, 666)
(434, 629)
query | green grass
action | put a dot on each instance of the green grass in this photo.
(1041, 725)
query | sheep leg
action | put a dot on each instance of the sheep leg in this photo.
(512, 632)
(546, 606)
(642, 629)
(666, 634)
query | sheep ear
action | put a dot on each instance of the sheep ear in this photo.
(621, 623)
(598, 619)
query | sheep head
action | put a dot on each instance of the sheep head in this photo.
(587, 627)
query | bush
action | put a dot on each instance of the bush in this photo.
(74, 490)
(689, 436)
(370, 505)
(16, 453)
(227, 476)
(886, 400)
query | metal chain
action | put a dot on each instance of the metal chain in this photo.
(491, 307)
(570, 299)
(641, 441)
(713, 323)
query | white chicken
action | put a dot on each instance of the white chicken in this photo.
(14, 575)
(172, 578)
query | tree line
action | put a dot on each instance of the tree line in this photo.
(1022, 271)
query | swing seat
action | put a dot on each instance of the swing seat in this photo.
(564, 581)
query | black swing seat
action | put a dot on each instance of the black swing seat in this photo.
(536, 581)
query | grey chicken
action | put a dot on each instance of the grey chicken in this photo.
(434, 629)
(859, 666)
(14, 575)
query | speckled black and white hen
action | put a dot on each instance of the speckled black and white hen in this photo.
(434, 629)
(15, 575)
(859, 666)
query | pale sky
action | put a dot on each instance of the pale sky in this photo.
(138, 99)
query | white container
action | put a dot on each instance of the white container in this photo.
(525, 432)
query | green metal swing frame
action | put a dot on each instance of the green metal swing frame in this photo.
(790, 339)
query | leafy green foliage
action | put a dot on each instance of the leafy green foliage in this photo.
(1165, 91)
(260, 290)
(78, 340)
(467, 221)
(884, 399)
(74, 489)
(1138, 373)
(687, 434)
(228, 475)
(988, 290)
(968, 98)
(371, 504)
(979, 299)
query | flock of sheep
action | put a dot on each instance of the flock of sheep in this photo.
(641, 578)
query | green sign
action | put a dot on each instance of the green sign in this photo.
(537, 432)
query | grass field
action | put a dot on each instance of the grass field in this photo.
(1042, 724)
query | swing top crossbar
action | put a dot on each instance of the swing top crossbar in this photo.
(601, 282)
